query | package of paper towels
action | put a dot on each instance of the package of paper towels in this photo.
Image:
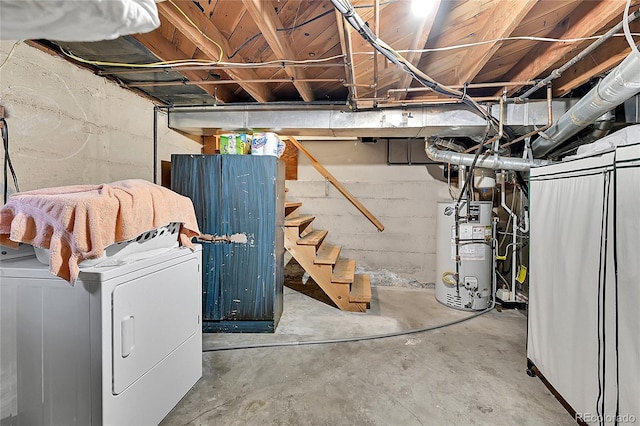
(267, 143)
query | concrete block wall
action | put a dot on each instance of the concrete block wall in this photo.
(68, 126)
(403, 198)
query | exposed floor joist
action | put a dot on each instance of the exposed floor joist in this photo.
(345, 46)
(484, 43)
(268, 22)
(505, 20)
(418, 42)
(258, 91)
(599, 62)
(167, 51)
(594, 17)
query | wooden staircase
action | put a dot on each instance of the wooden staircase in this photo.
(335, 276)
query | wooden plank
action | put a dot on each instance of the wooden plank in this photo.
(226, 16)
(291, 210)
(361, 289)
(419, 40)
(166, 51)
(593, 16)
(344, 191)
(604, 58)
(344, 272)
(211, 144)
(268, 22)
(321, 274)
(504, 19)
(327, 255)
(298, 221)
(165, 172)
(346, 47)
(313, 238)
(168, 9)
(290, 159)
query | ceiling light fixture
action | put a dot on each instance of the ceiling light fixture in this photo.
(421, 8)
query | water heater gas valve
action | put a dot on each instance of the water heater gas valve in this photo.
(471, 283)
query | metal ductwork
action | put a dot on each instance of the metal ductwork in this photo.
(484, 161)
(619, 85)
(446, 121)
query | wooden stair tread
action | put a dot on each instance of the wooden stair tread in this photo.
(298, 221)
(313, 238)
(327, 255)
(361, 289)
(291, 209)
(344, 271)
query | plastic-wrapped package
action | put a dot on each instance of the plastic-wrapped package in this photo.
(235, 143)
(267, 143)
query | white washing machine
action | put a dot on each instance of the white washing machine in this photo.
(121, 347)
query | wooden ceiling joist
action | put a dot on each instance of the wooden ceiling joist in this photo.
(259, 92)
(593, 17)
(268, 22)
(604, 58)
(459, 37)
(166, 51)
(418, 42)
(345, 46)
(503, 21)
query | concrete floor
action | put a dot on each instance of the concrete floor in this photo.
(469, 373)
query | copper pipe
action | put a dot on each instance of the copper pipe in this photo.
(462, 86)
(542, 129)
(216, 67)
(429, 101)
(370, 86)
(201, 82)
(376, 29)
(549, 122)
(500, 131)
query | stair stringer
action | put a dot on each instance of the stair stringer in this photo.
(321, 274)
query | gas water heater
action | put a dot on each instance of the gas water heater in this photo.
(468, 285)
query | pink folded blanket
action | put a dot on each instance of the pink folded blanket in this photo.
(77, 222)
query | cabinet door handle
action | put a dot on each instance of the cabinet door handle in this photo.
(127, 335)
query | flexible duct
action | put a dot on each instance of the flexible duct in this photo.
(487, 162)
(618, 86)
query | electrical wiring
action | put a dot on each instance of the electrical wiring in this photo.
(497, 40)
(10, 54)
(194, 25)
(627, 32)
(352, 17)
(347, 339)
(283, 61)
(159, 64)
(195, 62)
(191, 62)
(300, 25)
(7, 160)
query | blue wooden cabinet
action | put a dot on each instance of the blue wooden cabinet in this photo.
(242, 197)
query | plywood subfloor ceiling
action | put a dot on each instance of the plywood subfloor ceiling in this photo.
(303, 50)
